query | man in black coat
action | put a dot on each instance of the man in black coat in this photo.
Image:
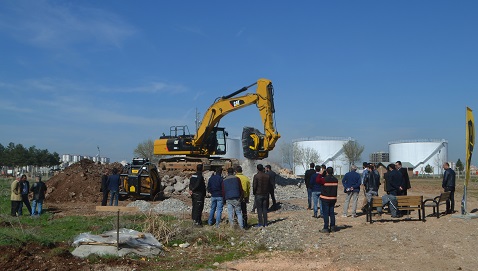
(104, 188)
(307, 176)
(272, 179)
(406, 178)
(197, 190)
(395, 181)
(394, 187)
(448, 185)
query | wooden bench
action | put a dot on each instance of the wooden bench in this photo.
(404, 203)
(436, 202)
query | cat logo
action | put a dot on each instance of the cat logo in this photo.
(236, 103)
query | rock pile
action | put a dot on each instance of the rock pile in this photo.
(81, 181)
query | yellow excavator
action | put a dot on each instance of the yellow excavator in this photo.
(209, 142)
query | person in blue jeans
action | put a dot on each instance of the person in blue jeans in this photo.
(25, 190)
(316, 189)
(39, 189)
(214, 187)
(113, 186)
(233, 194)
(307, 176)
(328, 197)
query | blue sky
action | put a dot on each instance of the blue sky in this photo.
(80, 74)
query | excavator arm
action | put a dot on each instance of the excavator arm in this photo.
(256, 145)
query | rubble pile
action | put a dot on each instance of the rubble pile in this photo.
(79, 182)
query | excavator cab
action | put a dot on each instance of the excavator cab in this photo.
(253, 144)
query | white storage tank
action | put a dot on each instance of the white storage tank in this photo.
(330, 150)
(420, 153)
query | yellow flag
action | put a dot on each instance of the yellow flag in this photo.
(470, 142)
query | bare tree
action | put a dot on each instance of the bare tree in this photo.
(145, 149)
(304, 156)
(438, 162)
(352, 151)
(287, 152)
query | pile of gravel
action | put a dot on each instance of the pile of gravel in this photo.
(168, 206)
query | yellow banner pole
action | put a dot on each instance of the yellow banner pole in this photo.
(470, 143)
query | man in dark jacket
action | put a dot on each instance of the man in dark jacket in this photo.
(39, 189)
(260, 188)
(351, 183)
(371, 183)
(316, 189)
(104, 188)
(307, 175)
(394, 187)
(232, 193)
(406, 178)
(113, 186)
(272, 179)
(448, 185)
(395, 181)
(197, 190)
(25, 190)
(214, 187)
(328, 197)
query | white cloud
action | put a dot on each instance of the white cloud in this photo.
(52, 25)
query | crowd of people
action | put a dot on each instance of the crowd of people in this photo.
(20, 191)
(321, 188)
(232, 190)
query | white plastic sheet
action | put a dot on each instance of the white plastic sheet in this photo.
(127, 238)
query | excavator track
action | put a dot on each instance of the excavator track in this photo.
(187, 163)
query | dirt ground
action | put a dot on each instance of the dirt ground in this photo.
(447, 243)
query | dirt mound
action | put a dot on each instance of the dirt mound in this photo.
(79, 182)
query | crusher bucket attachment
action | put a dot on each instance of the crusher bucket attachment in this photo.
(253, 144)
(141, 179)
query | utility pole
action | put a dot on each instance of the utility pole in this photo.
(99, 156)
(197, 120)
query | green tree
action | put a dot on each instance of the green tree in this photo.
(15, 155)
(459, 165)
(352, 151)
(428, 168)
(2, 155)
(53, 159)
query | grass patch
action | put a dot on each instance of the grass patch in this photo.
(54, 233)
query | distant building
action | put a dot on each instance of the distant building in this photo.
(379, 157)
(68, 159)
